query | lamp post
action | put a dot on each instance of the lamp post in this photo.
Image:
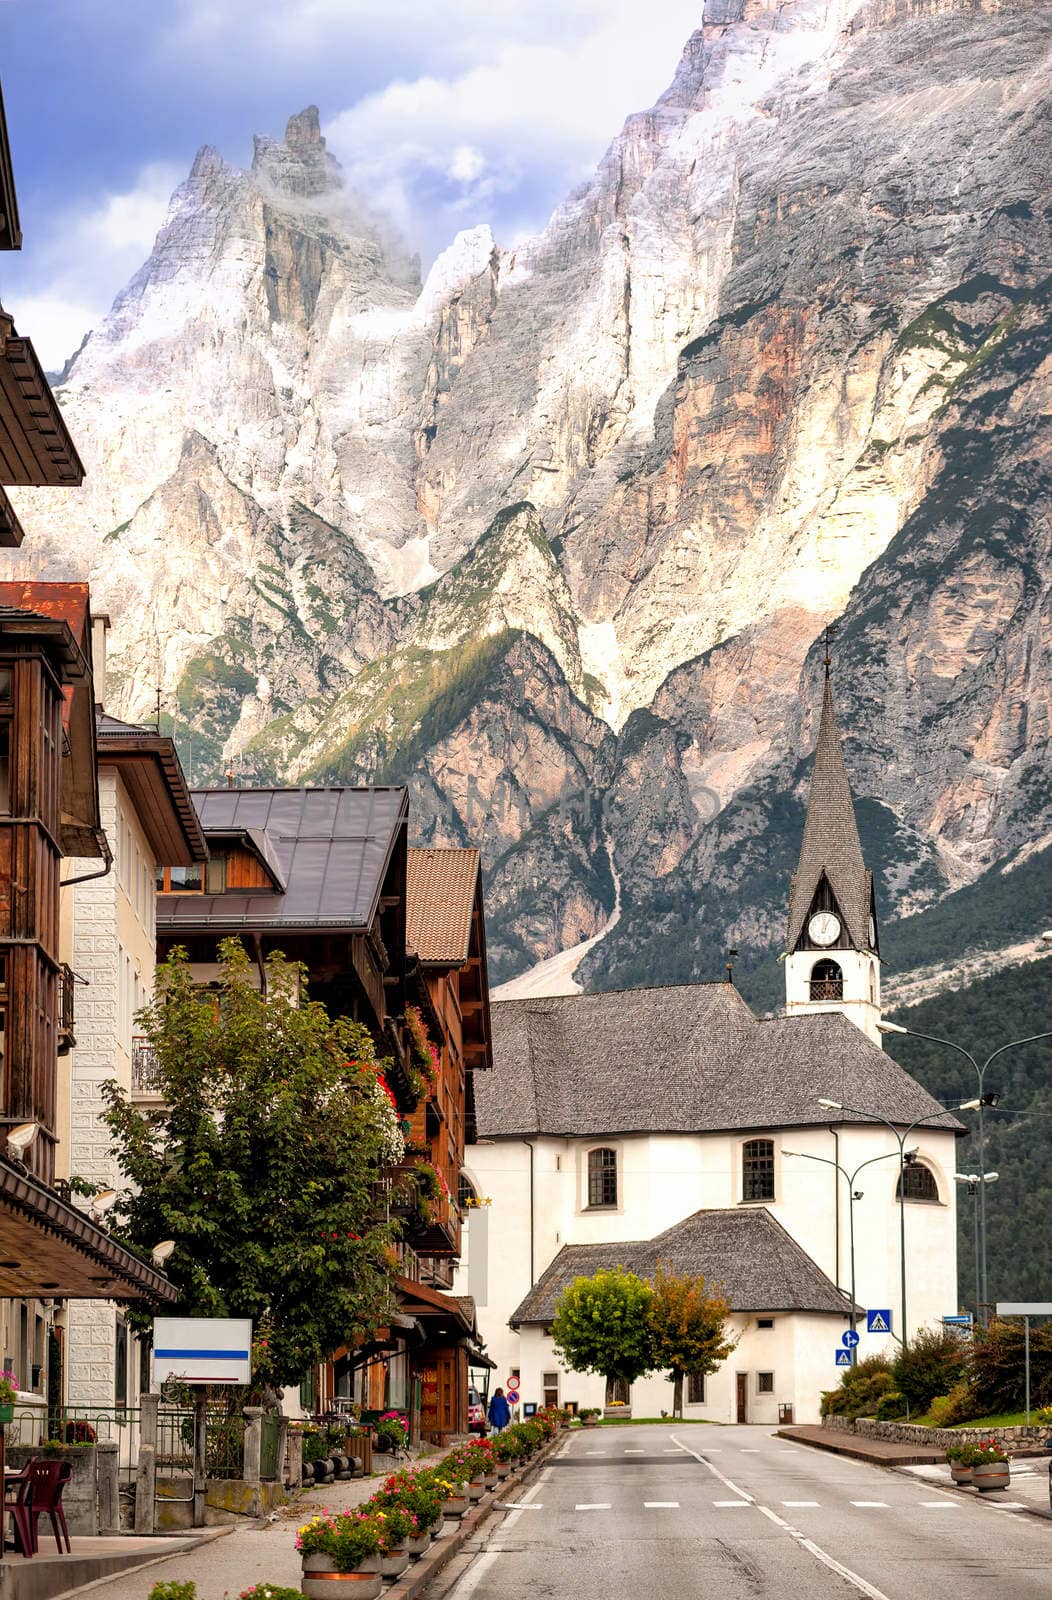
(906, 1158)
(975, 1183)
(851, 1198)
(985, 1100)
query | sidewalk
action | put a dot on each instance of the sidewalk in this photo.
(1028, 1489)
(879, 1452)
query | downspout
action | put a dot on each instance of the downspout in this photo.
(836, 1206)
(531, 1210)
(100, 872)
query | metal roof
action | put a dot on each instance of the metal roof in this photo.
(331, 847)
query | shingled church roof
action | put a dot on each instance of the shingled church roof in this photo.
(831, 844)
(747, 1255)
(689, 1059)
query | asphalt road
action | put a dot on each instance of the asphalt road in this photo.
(641, 1513)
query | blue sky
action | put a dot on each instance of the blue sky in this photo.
(446, 114)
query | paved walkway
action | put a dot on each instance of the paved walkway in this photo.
(880, 1452)
(1029, 1487)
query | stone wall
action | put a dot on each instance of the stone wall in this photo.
(911, 1433)
(80, 1496)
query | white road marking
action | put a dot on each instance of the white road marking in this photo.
(672, 1452)
(521, 1504)
(476, 1572)
(1008, 1505)
(598, 1505)
(940, 1505)
(794, 1503)
(635, 1452)
(595, 1452)
(732, 1502)
(826, 1559)
(749, 1452)
(872, 1505)
(660, 1505)
(506, 1505)
(807, 1544)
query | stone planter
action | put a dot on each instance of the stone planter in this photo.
(589, 1422)
(321, 1581)
(492, 1479)
(417, 1546)
(455, 1507)
(503, 1469)
(477, 1489)
(389, 1566)
(960, 1474)
(991, 1475)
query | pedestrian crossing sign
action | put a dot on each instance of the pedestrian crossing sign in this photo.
(878, 1321)
(843, 1358)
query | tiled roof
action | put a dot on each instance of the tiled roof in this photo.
(331, 846)
(440, 898)
(747, 1255)
(831, 844)
(690, 1059)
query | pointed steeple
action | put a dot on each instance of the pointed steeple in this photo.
(831, 848)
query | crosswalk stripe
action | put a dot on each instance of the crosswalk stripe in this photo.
(799, 1502)
(873, 1505)
(941, 1505)
(599, 1505)
(635, 1452)
(660, 1505)
(732, 1502)
(1008, 1505)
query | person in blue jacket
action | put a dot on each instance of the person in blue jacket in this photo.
(499, 1411)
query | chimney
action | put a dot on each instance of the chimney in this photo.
(100, 625)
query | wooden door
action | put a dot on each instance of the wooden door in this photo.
(743, 1396)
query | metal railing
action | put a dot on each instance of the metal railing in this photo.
(145, 1077)
(66, 981)
(827, 988)
(79, 1425)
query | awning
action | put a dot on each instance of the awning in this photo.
(49, 1248)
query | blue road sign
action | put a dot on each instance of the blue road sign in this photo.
(843, 1358)
(878, 1321)
(850, 1338)
(964, 1320)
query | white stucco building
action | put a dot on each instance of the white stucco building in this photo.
(672, 1125)
(110, 925)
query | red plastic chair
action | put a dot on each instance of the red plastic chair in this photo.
(49, 1479)
(18, 1493)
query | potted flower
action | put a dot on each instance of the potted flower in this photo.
(396, 1527)
(989, 1464)
(417, 1494)
(8, 1396)
(336, 1553)
(960, 1470)
(589, 1417)
(392, 1432)
(452, 1482)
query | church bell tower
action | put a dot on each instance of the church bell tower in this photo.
(832, 958)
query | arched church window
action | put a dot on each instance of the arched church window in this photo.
(758, 1169)
(917, 1182)
(827, 981)
(602, 1177)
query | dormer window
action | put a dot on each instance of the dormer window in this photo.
(602, 1178)
(181, 880)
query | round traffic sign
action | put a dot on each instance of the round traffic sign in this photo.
(512, 1385)
(850, 1338)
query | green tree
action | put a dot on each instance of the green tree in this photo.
(262, 1164)
(602, 1324)
(688, 1323)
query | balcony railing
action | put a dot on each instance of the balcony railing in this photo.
(827, 988)
(145, 1076)
(66, 982)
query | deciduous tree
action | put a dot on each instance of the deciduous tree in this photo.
(602, 1324)
(688, 1324)
(262, 1163)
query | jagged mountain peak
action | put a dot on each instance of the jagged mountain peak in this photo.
(301, 166)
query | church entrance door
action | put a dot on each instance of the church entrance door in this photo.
(743, 1396)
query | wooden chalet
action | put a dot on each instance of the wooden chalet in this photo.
(48, 811)
(35, 446)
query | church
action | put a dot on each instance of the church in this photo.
(789, 1159)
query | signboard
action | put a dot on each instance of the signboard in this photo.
(959, 1320)
(850, 1338)
(843, 1358)
(878, 1321)
(202, 1349)
(530, 1408)
(1013, 1308)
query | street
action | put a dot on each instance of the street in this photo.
(621, 1513)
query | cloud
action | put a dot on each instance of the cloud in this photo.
(66, 282)
(507, 135)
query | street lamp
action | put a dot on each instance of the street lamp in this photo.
(851, 1198)
(906, 1159)
(985, 1100)
(975, 1183)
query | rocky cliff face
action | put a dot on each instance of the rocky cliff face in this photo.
(554, 533)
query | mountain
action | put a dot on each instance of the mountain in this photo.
(554, 534)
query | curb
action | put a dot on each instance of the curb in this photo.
(430, 1565)
(920, 1458)
(971, 1493)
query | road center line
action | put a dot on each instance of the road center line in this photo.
(806, 1544)
(733, 1487)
